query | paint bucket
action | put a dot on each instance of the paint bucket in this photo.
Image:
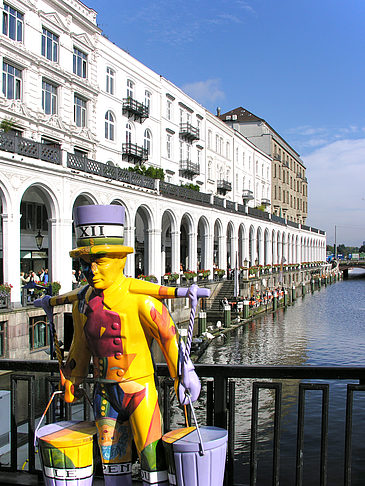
(187, 465)
(66, 451)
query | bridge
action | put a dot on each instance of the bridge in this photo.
(346, 265)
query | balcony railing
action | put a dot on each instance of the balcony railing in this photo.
(220, 405)
(223, 186)
(258, 213)
(29, 148)
(247, 195)
(112, 172)
(187, 167)
(134, 153)
(277, 157)
(265, 201)
(184, 193)
(135, 109)
(189, 132)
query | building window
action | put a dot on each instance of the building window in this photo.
(79, 111)
(110, 78)
(147, 99)
(2, 338)
(13, 23)
(80, 63)
(147, 140)
(169, 109)
(50, 44)
(12, 82)
(217, 143)
(181, 151)
(209, 139)
(128, 133)
(228, 150)
(49, 98)
(198, 156)
(130, 88)
(169, 146)
(109, 125)
(33, 216)
(210, 167)
(38, 332)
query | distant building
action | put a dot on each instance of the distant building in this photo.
(289, 185)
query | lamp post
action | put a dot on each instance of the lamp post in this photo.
(39, 240)
(245, 271)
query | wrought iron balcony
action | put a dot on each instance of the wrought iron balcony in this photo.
(135, 109)
(247, 195)
(189, 132)
(134, 153)
(277, 157)
(188, 168)
(223, 186)
(265, 201)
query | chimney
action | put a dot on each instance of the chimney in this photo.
(218, 111)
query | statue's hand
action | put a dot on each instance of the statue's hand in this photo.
(187, 384)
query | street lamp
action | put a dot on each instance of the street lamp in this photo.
(39, 239)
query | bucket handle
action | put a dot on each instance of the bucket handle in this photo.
(44, 414)
(201, 445)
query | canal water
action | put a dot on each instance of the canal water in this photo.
(326, 328)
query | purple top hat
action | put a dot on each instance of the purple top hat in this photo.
(99, 229)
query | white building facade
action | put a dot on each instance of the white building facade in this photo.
(78, 112)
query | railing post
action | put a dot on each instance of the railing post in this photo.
(220, 401)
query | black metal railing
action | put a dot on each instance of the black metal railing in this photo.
(293, 224)
(189, 132)
(184, 193)
(112, 172)
(29, 148)
(134, 108)
(221, 409)
(224, 186)
(134, 153)
(258, 213)
(277, 219)
(230, 205)
(189, 167)
(247, 195)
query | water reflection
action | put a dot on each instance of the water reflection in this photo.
(326, 328)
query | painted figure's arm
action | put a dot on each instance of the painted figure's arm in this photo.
(156, 318)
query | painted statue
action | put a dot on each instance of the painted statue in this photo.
(115, 321)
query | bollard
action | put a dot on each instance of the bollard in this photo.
(275, 301)
(202, 322)
(312, 285)
(319, 283)
(304, 290)
(293, 293)
(286, 298)
(246, 309)
(325, 281)
(240, 308)
(331, 278)
(227, 315)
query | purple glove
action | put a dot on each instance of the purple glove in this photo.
(187, 382)
(44, 302)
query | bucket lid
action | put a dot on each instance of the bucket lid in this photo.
(67, 433)
(187, 439)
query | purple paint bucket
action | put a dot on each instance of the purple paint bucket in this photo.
(187, 467)
(66, 451)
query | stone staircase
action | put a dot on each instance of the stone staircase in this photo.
(214, 308)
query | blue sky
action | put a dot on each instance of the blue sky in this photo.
(297, 64)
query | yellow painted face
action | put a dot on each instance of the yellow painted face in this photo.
(102, 271)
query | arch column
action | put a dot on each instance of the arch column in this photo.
(175, 251)
(222, 251)
(11, 248)
(261, 249)
(268, 245)
(153, 252)
(193, 253)
(61, 244)
(129, 236)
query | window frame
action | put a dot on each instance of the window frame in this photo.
(50, 45)
(80, 63)
(13, 16)
(109, 126)
(34, 327)
(80, 111)
(110, 80)
(147, 141)
(53, 97)
(17, 84)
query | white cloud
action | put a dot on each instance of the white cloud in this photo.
(205, 91)
(336, 177)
